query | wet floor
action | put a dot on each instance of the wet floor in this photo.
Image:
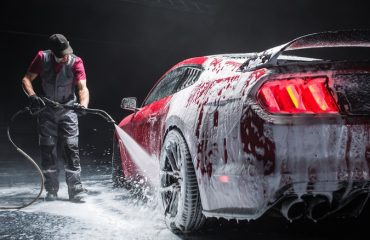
(108, 213)
(111, 213)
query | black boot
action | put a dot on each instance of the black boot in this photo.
(78, 195)
(51, 196)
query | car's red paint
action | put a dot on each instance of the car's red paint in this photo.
(190, 61)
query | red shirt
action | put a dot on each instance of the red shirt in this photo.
(77, 68)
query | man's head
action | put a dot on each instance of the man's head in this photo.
(59, 45)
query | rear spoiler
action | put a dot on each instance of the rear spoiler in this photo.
(344, 38)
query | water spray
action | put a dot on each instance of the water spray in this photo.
(146, 163)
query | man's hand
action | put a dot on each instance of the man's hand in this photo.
(36, 103)
(80, 109)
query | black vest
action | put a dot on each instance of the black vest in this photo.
(59, 86)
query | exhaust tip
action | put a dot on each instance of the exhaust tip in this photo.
(318, 207)
(293, 209)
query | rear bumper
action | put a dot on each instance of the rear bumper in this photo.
(326, 157)
(319, 156)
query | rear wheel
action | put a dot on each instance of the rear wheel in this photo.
(179, 188)
(118, 177)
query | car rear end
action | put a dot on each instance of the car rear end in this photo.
(308, 126)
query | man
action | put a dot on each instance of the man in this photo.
(61, 73)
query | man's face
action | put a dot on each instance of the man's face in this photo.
(63, 59)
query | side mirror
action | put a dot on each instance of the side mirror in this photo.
(129, 103)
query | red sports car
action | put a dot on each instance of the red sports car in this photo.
(238, 136)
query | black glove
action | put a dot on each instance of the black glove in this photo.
(79, 109)
(36, 103)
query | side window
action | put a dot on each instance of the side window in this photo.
(190, 76)
(166, 86)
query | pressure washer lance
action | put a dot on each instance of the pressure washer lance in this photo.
(33, 112)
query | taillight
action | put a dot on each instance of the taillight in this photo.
(297, 95)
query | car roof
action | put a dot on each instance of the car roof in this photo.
(343, 38)
(200, 61)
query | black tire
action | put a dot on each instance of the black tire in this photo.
(179, 187)
(118, 177)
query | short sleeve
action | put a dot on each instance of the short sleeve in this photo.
(79, 70)
(36, 64)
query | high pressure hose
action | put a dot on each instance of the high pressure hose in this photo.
(27, 109)
(53, 104)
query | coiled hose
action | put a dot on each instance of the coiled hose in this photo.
(42, 179)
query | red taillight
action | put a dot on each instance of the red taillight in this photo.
(298, 95)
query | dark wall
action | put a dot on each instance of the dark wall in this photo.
(126, 47)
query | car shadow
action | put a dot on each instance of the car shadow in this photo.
(279, 228)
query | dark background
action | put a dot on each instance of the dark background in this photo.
(127, 45)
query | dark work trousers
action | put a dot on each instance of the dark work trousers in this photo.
(58, 139)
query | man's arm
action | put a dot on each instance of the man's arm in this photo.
(83, 92)
(27, 83)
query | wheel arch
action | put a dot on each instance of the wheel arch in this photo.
(175, 123)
